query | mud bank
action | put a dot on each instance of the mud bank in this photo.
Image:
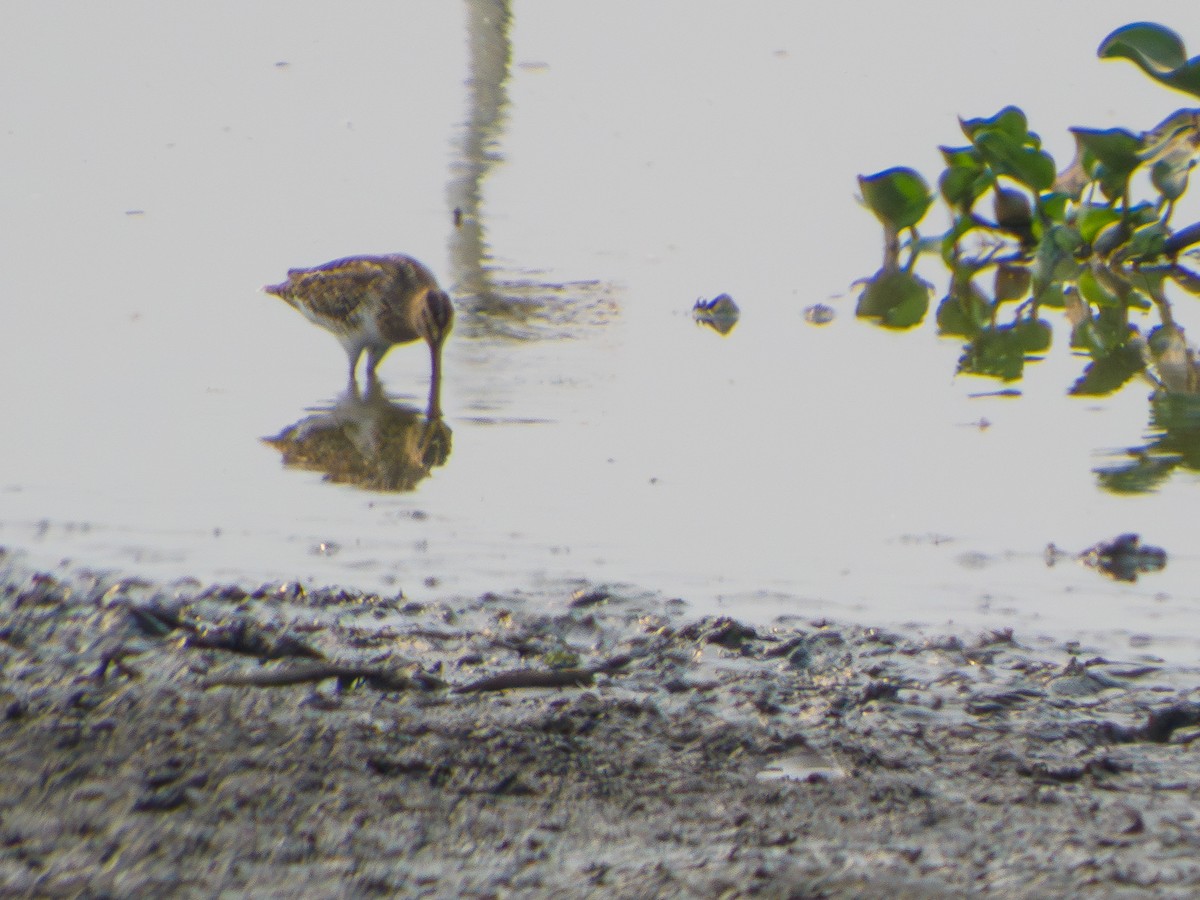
(183, 740)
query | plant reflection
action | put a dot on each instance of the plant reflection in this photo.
(367, 440)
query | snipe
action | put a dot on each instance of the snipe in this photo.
(372, 303)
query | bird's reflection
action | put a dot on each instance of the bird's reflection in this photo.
(367, 440)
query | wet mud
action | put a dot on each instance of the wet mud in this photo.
(186, 739)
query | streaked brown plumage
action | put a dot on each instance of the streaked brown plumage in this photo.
(372, 303)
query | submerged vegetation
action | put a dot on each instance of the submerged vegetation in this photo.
(1094, 240)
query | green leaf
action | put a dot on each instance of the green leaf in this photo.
(1156, 50)
(962, 186)
(1094, 291)
(1170, 175)
(962, 157)
(1110, 157)
(898, 197)
(1104, 333)
(1092, 219)
(1008, 156)
(1147, 243)
(1148, 280)
(1052, 296)
(896, 299)
(1110, 238)
(1010, 121)
(1055, 258)
(1054, 206)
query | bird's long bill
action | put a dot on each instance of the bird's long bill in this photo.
(435, 382)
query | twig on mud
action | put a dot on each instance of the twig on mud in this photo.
(543, 678)
(240, 636)
(378, 677)
(1159, 725)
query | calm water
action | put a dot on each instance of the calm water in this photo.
(612, 162)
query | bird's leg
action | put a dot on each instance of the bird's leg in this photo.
(373, 359)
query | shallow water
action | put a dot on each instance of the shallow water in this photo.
(171, 161)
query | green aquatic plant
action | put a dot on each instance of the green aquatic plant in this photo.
(1093, 241)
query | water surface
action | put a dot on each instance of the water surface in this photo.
(610, 163)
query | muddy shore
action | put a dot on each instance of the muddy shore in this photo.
(188, 739)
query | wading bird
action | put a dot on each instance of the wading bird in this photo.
(372, 303)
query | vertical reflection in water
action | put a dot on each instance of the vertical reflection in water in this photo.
(490, 57)
(521, 308)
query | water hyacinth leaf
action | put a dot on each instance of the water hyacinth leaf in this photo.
(899, 197)
(1126, 285)
(1111, 237)
(1103, 333)
(1175, 134)
(1012, 283)
(896, 299)
(954, 321)
(1054, 206)
(1147, 243)
(1156, 50)
(1114, 240)
(1008, 156)
(1170, 176)
(1109, 156)
(962, 186)
(1052, 296)
(1055, 259)
(1150, 278)
(1092, 219)
(965, 310)
(1012, 208)
(1094, 291)
(1142, 476)
(1177, 413)
(1010, 121)
(1109, 373)
(962, 158)
(995, 353)
(1034, 335)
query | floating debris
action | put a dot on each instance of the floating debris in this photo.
(819, 314)
(720, 314)
(1122, 559)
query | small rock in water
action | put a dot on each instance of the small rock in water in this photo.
(819, 314)
(720, 314)
(1124, 558)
